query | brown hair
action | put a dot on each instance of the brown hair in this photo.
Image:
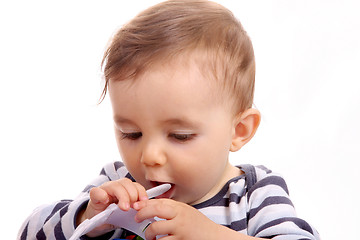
(174, 28)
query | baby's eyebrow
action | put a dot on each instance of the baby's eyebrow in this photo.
(181, 122)
(121, 120)
(177, 122)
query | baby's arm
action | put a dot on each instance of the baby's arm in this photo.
(52, 221)
(271, 212)
(58, 220)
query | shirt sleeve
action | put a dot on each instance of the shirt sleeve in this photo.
(271, 213)
(56, 221)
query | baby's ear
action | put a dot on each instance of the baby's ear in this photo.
(245, 126)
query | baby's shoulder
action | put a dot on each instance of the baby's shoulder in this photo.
(260, 177)
(268, 181)
(263, 172)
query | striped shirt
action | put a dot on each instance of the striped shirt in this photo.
(256, 203)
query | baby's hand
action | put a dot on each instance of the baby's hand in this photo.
(124, 192)
(181, 219)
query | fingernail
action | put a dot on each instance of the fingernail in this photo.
(126, 206)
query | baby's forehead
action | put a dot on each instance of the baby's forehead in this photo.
(187, 68)
(193, 69)
(194, 62)
(193, 65)
(175, 85)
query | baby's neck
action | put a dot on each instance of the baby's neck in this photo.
(229, 173)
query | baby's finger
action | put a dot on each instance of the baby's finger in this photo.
(142, 195)
(116, 190)
(135, 191)
(132, 189)
(161, 228)
(139, 205)
(99, 198)
(155, 208)
(125, 191)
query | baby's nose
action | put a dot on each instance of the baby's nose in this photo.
(153, 155)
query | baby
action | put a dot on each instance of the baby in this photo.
(180, 77)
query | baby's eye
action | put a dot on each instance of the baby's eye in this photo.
(131, 136)
(182, 137)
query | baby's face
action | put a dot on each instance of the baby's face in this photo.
(169, 129)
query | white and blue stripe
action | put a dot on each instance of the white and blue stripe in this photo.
(256, 203)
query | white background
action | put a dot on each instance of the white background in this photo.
(54, 138)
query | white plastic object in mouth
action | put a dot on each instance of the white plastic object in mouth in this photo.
(120, 219)
(158, 190)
